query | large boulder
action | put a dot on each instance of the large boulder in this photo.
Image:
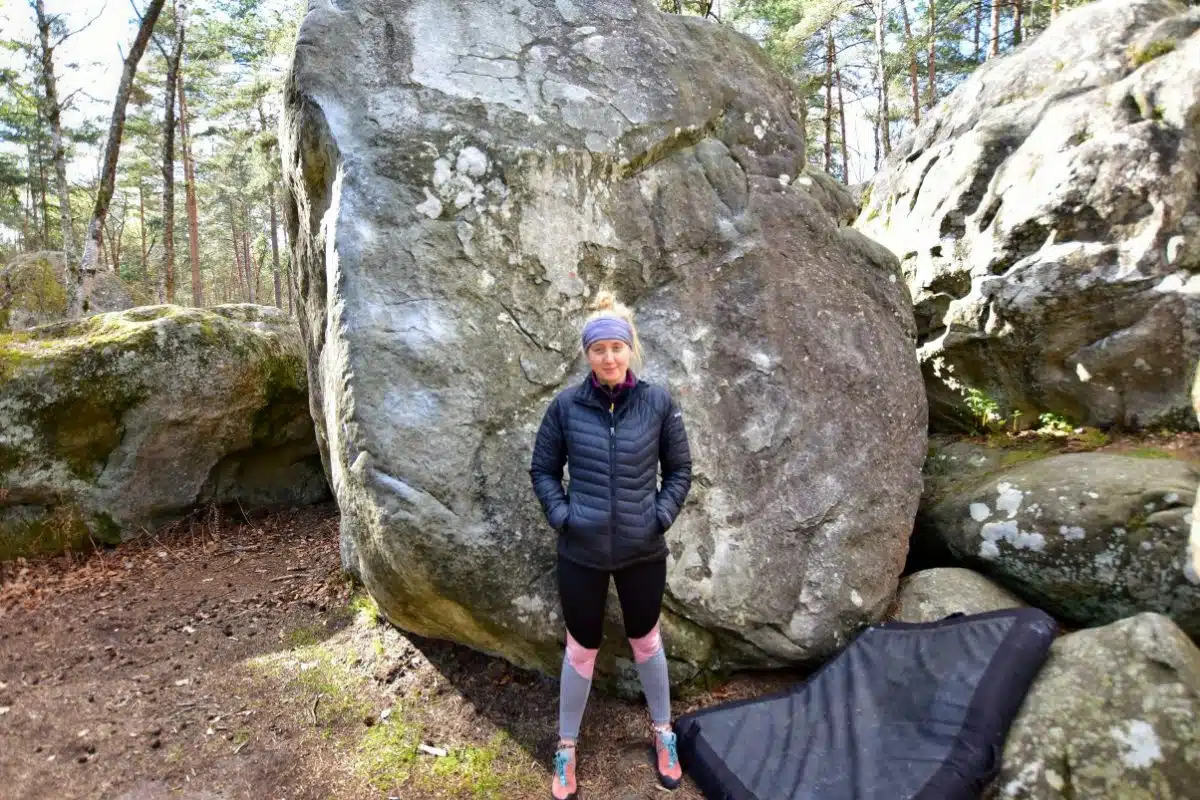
(1113, 714)
(934, 594)
(462, 179)
(1047, 215)
(123, 421)
(33, 291)
(1089, 537)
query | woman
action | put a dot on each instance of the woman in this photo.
(613, 431)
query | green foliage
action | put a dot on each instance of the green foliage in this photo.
(1094, 437)
(236, 54)
(389, 757)
(388, 752)
(301, 637)
(1149, 452)
(365, 609)
(984, 409)
(32, 286)
(1156, 48)
(1054, 424)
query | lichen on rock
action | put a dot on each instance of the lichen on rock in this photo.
(121, 421)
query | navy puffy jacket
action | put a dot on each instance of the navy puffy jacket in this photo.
(614, 512)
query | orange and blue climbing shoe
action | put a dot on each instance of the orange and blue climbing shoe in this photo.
(666, 761)
(563, 786)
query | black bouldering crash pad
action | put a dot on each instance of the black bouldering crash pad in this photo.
(908, 711)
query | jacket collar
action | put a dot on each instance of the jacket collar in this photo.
(591, 392)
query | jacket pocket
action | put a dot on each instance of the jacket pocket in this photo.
(664, 520)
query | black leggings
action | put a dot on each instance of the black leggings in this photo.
(584, 591)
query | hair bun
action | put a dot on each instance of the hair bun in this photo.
(605, 301)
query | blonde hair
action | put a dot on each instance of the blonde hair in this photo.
(607, 305)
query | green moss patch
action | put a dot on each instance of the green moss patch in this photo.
(34, 287)
(1159, 47)
(62, 529)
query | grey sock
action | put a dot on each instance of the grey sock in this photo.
(657, 687)
(573, 691)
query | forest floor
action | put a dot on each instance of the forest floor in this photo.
(222, 659)
(229, 659)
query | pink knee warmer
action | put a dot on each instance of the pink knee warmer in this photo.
(647, 646)
(581, 658)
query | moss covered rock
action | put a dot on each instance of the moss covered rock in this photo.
(1114, 713)
(1089, 537)
(123, 421)
(33, 291)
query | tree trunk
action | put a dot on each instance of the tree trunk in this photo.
(168, 160)
(76, 304)
(881, 77)
(253, 266)
(994, 48)
(932, 54)
(55, 122)
(247, 262)
(829, 57)
(1053, 10)
(118, 240)
(44, 204)
(185, 145)
(1018, 17)
(912, 62)
(142, 215)
(237, 251)
(25, 206)
(275, 248)
(842, 120)
(271, 195)
(978, 29)
(189, 177)
(113, 237)
(31, 188)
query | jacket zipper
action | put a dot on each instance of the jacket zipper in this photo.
(612, 478)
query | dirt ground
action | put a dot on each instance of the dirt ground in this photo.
(222, 659)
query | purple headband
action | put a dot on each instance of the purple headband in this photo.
(607, 328)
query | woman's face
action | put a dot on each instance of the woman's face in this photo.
(609, 359)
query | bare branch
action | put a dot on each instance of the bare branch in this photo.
(158, 43)
(66, 101)
(85, 26)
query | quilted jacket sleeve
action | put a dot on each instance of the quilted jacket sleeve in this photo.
(676, 460)
(546, 469)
